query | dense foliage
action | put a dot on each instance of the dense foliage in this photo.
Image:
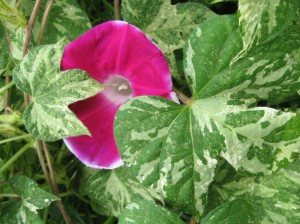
(228, 153)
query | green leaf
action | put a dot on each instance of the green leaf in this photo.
(168, 25)
(66, 20)
(111, 191)
(262, 21)
(11, 16)
(4, 53)
(48, 117)
(32, 199)
(174, 149)
(237, 211)
(148, 213)
(32, 196)
(274, 198)
(17, 38)
(17, 213)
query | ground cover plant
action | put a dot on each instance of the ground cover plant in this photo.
(140, 111)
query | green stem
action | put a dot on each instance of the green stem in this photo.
(6, 87)
(15, 138)
(44, 21)
(9, 196)
(45, 215)
(15, 157)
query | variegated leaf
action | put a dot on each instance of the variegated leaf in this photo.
(4, 53)
(174, 148)
(238, 211)
(66, 20)
(111, 191)
(32, 198)
(273, 199)
(271, 72)
(148, 213)
(262, 21)
(39, 75)
(17, 39)
(168, 25)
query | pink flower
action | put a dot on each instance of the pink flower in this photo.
(119, 55)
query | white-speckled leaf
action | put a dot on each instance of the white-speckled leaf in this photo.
(4, 53)
(262, 21)
(17, 38)
(174, 149)
(48, 116)
(111, 191)
(148, 213)
(32, 198)
(168, 25)
(274, 199)
(270, 72)
(66, 20)
(16, 213)
(238, 211)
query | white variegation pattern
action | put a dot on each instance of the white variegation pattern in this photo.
(276, 196)
(147, 212)
(175, 149)
(48, 116)
(168, 25)
(261, 21)
(113, 190)
(66, 21)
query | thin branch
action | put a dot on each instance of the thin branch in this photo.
(117, 9)
(183, 98)
(7, 93)
(42, 162)
(15, 157)
(30, 25)
(54, 185)
(44, 21)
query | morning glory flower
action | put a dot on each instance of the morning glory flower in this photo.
(124, 59)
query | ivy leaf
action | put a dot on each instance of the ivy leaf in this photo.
(169, 32)
(66, 21)
(4, 53)
(32, 196)
(270, 199)
(48, 116)
(148, 213)
(32, 199)
(174, 149)
(262, 21)
(111, 191)
(237, 211)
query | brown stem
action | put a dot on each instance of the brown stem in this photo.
(117, 9)
(7, 93)
(30, 25)
(42, 161)
(183, 98)
(54, 185)
(44, 21)
(193, 220)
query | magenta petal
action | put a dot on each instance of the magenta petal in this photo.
(114, 53)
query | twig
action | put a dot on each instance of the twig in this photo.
(44, 21)
(54, 185)
(15, 157)
(117, 9)
(42, 162)
(184, 99)
(30, 25)
(7, 93)
(15, 138)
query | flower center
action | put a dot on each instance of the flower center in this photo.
(118, 89)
